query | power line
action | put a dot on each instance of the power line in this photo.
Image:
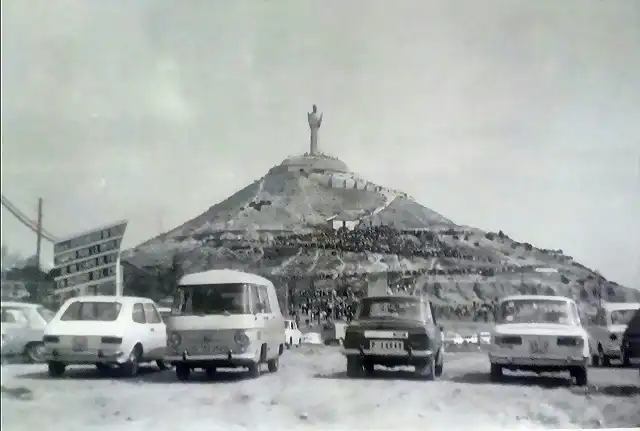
(26, 220)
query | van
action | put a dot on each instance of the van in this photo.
(224, 319)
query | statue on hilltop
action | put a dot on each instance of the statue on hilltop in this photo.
(315, 121)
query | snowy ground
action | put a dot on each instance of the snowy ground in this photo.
(310, 391)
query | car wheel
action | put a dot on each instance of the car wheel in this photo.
(299, 342)
(595, 360)
(162, 365)
(35, 352)
(625, 359)
(211, 372)
(496, 372)
(182, 372)
(273, 365)
(132, 366)
(103, 369)
(254, 370)
(56, 369)
(369, 368)
(439, 365)
(354, 366)
(603, 359)
(427, 371)
(580, 375)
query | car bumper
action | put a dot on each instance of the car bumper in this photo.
(68, 356)
(218, 360)
(549, 362)
(392, 354)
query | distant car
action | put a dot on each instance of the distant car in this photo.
(453, 338)
(631, 341)
(540, 334)
(292, 335)
(606, 331)
(485, 337)
(22, 329)
(394, 331)
(334, 332)
(471, 339)
(105, 331)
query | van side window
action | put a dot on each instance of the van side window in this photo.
(138, 314)
(263, 299)
(151, 314)
(254, 300)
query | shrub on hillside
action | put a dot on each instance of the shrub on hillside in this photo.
(477, 244)
(490, 236)
(564, 279)
(528, 246)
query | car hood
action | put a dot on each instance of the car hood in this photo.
(539, 329)
(375, 324)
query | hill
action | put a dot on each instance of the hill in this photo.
(310, 217)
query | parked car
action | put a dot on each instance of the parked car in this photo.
(471, 339)
(22, 329)
(225, 319)
(292, 334)
(394, 331)
(453, 338)
(106, 331)
(606, 331)
(540, 334)
(485, 337)
(333, 332)
(631, 341)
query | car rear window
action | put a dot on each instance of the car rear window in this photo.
(94, 311)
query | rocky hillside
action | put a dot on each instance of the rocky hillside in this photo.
(279, 226)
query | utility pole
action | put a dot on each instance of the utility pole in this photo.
(39, 234)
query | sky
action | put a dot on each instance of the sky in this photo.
(511, 114)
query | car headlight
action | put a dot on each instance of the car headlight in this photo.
(174, 339)
(241, 338)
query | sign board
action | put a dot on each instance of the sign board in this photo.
(89, 262)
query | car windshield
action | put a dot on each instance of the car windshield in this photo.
(231, 298)
(46, 314)
(94, 311)
(394, 307)
(621, 317)
(538, 311)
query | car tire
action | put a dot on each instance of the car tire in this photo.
(103, 369)
(354, 366)
(595, 360)
(35, 352)
(183, 371)
(580, 375)
(496, 372)
(369, 368)
(299, 342)
(439, 365)
(162, 365)
(254, 370)
(132, 366)
(56, 369)
(428, 370)
(626, 361)
(211, 372)
(273, 365)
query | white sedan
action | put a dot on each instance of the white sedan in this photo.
(105, 331)
(22, 329)
(540, 334)
(293, 336)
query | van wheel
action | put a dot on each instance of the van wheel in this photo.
(254, 370)
(211, 372)
(182, 372)
(439, 365)
(162, 365)
(273, 365)
(56, 369)
(580, 375)
(35, 352)
(602, 358)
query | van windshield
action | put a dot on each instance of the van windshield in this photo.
(212, 299)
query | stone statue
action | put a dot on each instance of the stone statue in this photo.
(315, 121)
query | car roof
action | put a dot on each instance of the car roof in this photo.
(533, 297)
(223, 276)
(110, 298)
(19, 304)
(613, 306)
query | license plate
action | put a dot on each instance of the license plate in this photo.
(538, 346)
(387, 346)
(212, 348)
(79, 344)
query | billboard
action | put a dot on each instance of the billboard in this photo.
(89, 262)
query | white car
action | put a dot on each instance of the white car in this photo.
(292, 334)
(453, 338)
(540, 334)
(471, 339)
(610, 322)
(105, 331)
(485, 337)
(22, 329)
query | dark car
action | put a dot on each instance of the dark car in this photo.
(394, 331)
(631, 341)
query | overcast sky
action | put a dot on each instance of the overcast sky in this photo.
(515, 115)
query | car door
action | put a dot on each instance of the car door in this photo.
(15, 328)
(272, 333)
(157, 331)
(140, 331)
